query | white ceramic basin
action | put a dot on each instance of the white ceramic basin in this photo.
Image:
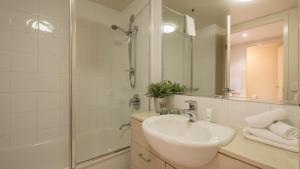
(188, 144)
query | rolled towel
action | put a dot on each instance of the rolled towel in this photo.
(284, 130)
(267, 137)
(267, 118)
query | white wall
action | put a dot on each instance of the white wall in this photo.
(233, 112)
(261, 82)
(156, 41)
(176, 50)
(290, 32)
(206, 58)
(34, 55)
(176, 58)
(292, 83)
(238, 69)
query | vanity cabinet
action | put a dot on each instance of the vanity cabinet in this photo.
(144, 157)
(141, 155)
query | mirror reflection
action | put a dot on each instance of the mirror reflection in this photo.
(245, 49)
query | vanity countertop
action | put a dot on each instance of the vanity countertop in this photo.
(258, 154)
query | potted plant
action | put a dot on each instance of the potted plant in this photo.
(161, 91)
(176, 88)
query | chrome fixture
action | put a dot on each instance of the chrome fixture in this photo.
(131, 34)
(227, 91)
(135, 102)
(192, 111)
(141, 155)
(124, 125)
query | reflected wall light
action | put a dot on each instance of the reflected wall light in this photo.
(169, 28)
(41, 25)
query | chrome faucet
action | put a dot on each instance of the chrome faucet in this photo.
(227, 91)
(192, 111)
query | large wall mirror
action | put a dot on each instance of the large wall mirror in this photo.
(235, 48)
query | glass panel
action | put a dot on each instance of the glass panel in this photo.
(34, 73)
(109, 73)
(203, 70)
(222, 52)
(176, 48)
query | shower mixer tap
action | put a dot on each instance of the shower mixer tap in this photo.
(135, 102)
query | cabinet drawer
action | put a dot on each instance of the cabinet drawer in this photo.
(225, 162)
(169, 167)
(137, 134)
(143, 159)
(134, 167)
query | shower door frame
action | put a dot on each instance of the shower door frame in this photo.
(72, 48)
(72, 117)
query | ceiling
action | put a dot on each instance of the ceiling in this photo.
(208, 12)
(114, 4)
(262, 33)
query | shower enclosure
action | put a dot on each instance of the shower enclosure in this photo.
(110, 75)
(65, 95)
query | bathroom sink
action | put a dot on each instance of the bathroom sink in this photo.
(188, 144)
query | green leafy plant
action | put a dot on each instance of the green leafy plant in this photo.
(176, 88)
(164, 89)
(159, 90)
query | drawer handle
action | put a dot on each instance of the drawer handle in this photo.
(143, 158)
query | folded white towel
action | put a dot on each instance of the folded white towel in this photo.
(190, 26)
(284, 130)
(267, 118)
(267, 137)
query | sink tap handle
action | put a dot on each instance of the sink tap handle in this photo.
(192, 104)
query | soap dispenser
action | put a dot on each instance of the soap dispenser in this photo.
(207, 115)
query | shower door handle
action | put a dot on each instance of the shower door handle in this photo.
(124, 125)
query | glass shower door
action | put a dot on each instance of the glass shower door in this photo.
(101, 83)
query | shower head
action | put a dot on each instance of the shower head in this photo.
(115, 27)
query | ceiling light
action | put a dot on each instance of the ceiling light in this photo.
(245, 35)
(245, 0)
(169, 28)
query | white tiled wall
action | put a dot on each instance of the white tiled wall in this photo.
(233, 112)
(34, 46)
